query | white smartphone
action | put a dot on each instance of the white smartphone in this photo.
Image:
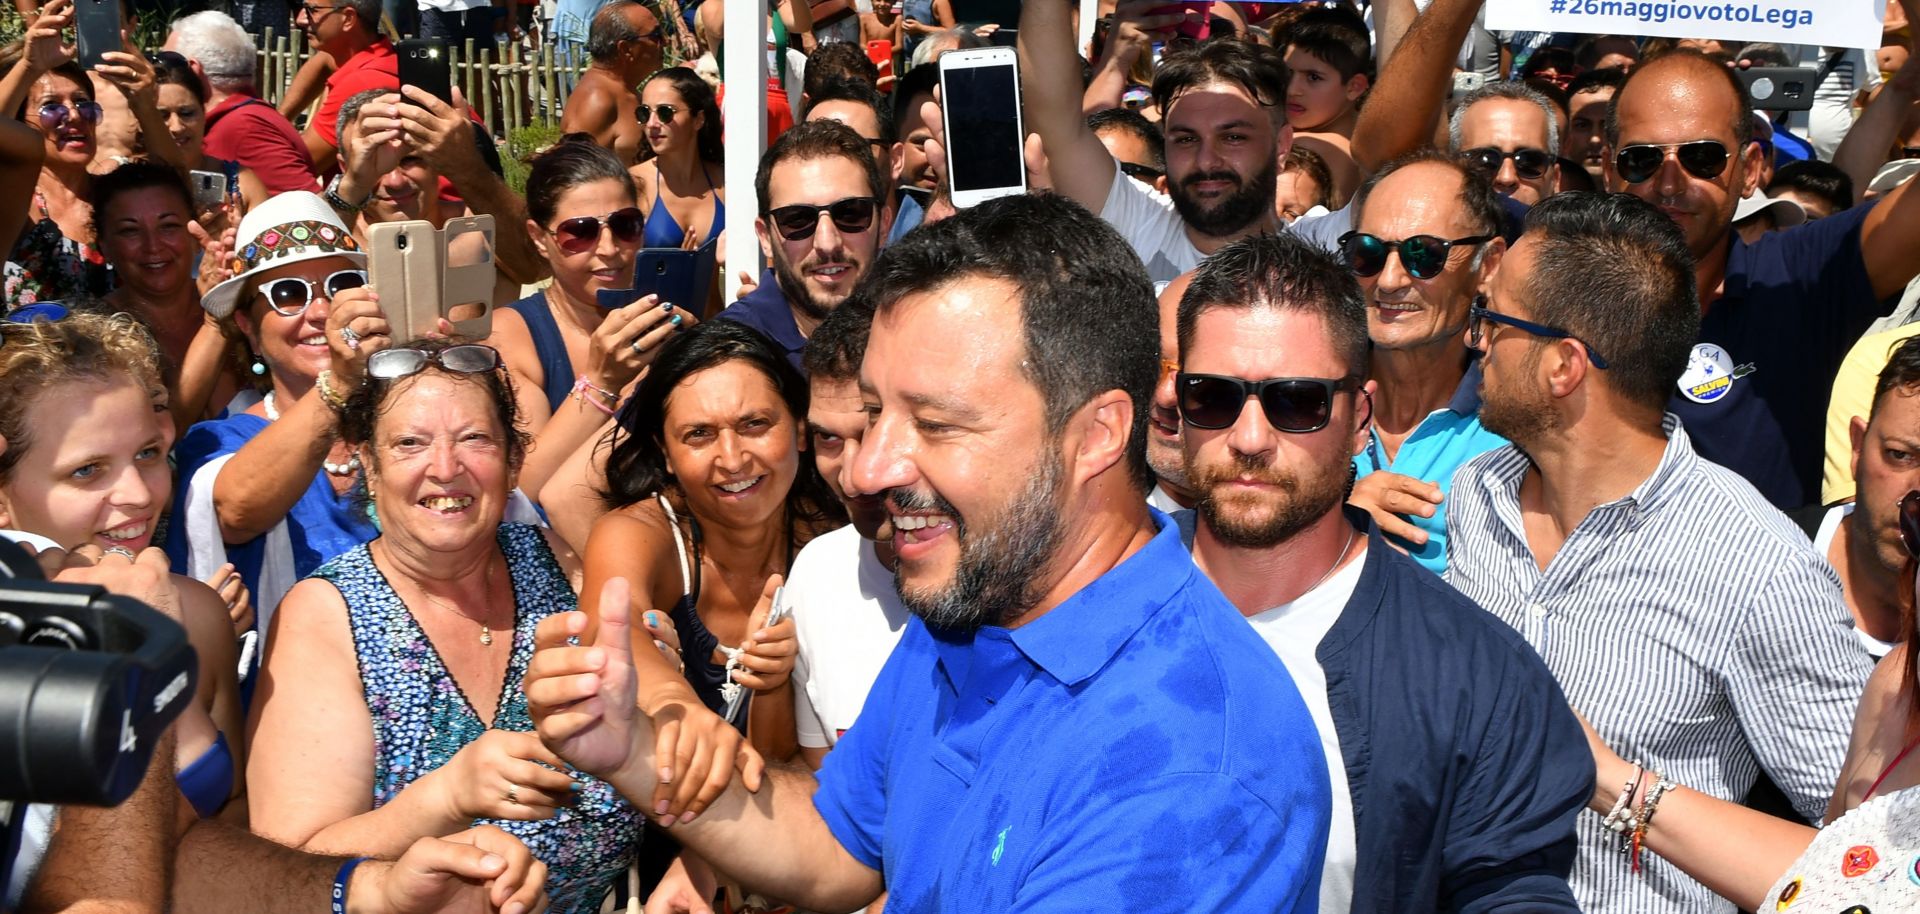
(985, 137)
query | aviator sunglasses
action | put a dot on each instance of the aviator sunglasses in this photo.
(1704, 159)
(1293, 405)
(54, 114)
(579, 234)
(1423, 256)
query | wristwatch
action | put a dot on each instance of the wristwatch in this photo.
(333, 198)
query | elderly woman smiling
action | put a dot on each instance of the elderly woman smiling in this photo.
(390, 704)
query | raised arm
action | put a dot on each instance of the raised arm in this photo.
(21, 154)
(1411, 94)
(442, 133)
(583, 701)
(1082, 169)
(1888, 242)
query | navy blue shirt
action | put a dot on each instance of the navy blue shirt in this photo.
(1754, 396)
(1138, 748)
(766, 309)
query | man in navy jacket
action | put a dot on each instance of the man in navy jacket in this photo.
(1457, 767)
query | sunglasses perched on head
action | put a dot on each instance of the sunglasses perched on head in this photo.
(290, 296)
(1704, 159)
(1293, 405)
(466, 358)
(54, 114)
(798, 222)
(1476, 332)
(581, 233)
(1422, 256)
(645, 113)
(1527, 163)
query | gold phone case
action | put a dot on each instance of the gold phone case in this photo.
(419, 281)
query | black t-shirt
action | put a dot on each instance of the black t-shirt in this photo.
(1754, 396)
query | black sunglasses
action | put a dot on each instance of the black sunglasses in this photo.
(581, 233)
(1910, 522)
(1293, 405)
(1144, 173)
(645, 113)
(466, 358)
(1423, 256)
(1527, 163)
(1475, 333)
(290, 296)
(1704, 159)
(798, 222)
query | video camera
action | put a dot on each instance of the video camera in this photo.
(88, 681)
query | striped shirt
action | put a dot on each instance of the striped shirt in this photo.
(1692, 624)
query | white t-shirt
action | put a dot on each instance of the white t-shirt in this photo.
(1294, 631)
(1147, 219)
(847, 617)
(1823, 541)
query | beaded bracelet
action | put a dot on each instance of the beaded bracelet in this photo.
(340, 880)
(583, 384)
(1620, 819)
(328, 395)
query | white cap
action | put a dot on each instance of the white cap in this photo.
(1786, 213)
(1892, 174)
(288, 228)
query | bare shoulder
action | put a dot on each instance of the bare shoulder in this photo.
(635, 542)
(311, 621)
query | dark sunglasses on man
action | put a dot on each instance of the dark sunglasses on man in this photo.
(1704, 159)
(1293, 405)
(1527, 163)
(798, 222)
(581, 233)
(1422, 256)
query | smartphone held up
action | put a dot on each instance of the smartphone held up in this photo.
(985, 136)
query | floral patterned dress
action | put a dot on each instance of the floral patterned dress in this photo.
(421, 718)
(46, 265)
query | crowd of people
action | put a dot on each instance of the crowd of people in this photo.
(1379, 464)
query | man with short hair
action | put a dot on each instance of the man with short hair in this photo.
(623, 47)
(1585, 142)
(1688, 620)
(1075, 719)
(1136, 143)
(1426, 238)
(349, 32)
(858, 105)
(1223, 115)
(1861, 538)
(1475, 815)
(239, 126)
(1510, 132)
(1780, 312)
(820, 194)
(913, 181)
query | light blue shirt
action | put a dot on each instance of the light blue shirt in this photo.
(1443, 442)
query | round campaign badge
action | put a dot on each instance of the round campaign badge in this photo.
(1709, 374)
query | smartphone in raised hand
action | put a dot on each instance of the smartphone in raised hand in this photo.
(985, 139)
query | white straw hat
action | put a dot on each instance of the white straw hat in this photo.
(288, 228)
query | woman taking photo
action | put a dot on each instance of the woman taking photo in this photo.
(55, 257)
(571, 357)
(182, 103)
(267, 489)
(85, 465)
(143, 217)
(683, 187)
(390, 703)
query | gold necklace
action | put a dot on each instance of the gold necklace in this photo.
(486, 634)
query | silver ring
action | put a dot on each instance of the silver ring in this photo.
(119, 550)
(350, 338)
(513, 793)
(636, 347)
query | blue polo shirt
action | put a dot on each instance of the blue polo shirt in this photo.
(1137, 748)
(766, 309)
(1445, 440)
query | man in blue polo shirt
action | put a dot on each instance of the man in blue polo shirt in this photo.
(1426, 408)
(1779, 314)
(1075, 719)
(820, 194)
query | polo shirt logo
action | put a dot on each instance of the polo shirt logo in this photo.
(1000, 845)
(1710, 374)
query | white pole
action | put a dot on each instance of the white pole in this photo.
(744, 70)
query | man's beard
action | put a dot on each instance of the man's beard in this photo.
(1519, 415)
(999, 573)
(1257, 520)
(794, 285)
(1247, 204)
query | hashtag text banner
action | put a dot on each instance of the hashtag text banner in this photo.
(1834, 23)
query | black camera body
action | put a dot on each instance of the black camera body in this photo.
(88, 681)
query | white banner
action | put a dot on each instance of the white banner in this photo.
(1834, 23)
